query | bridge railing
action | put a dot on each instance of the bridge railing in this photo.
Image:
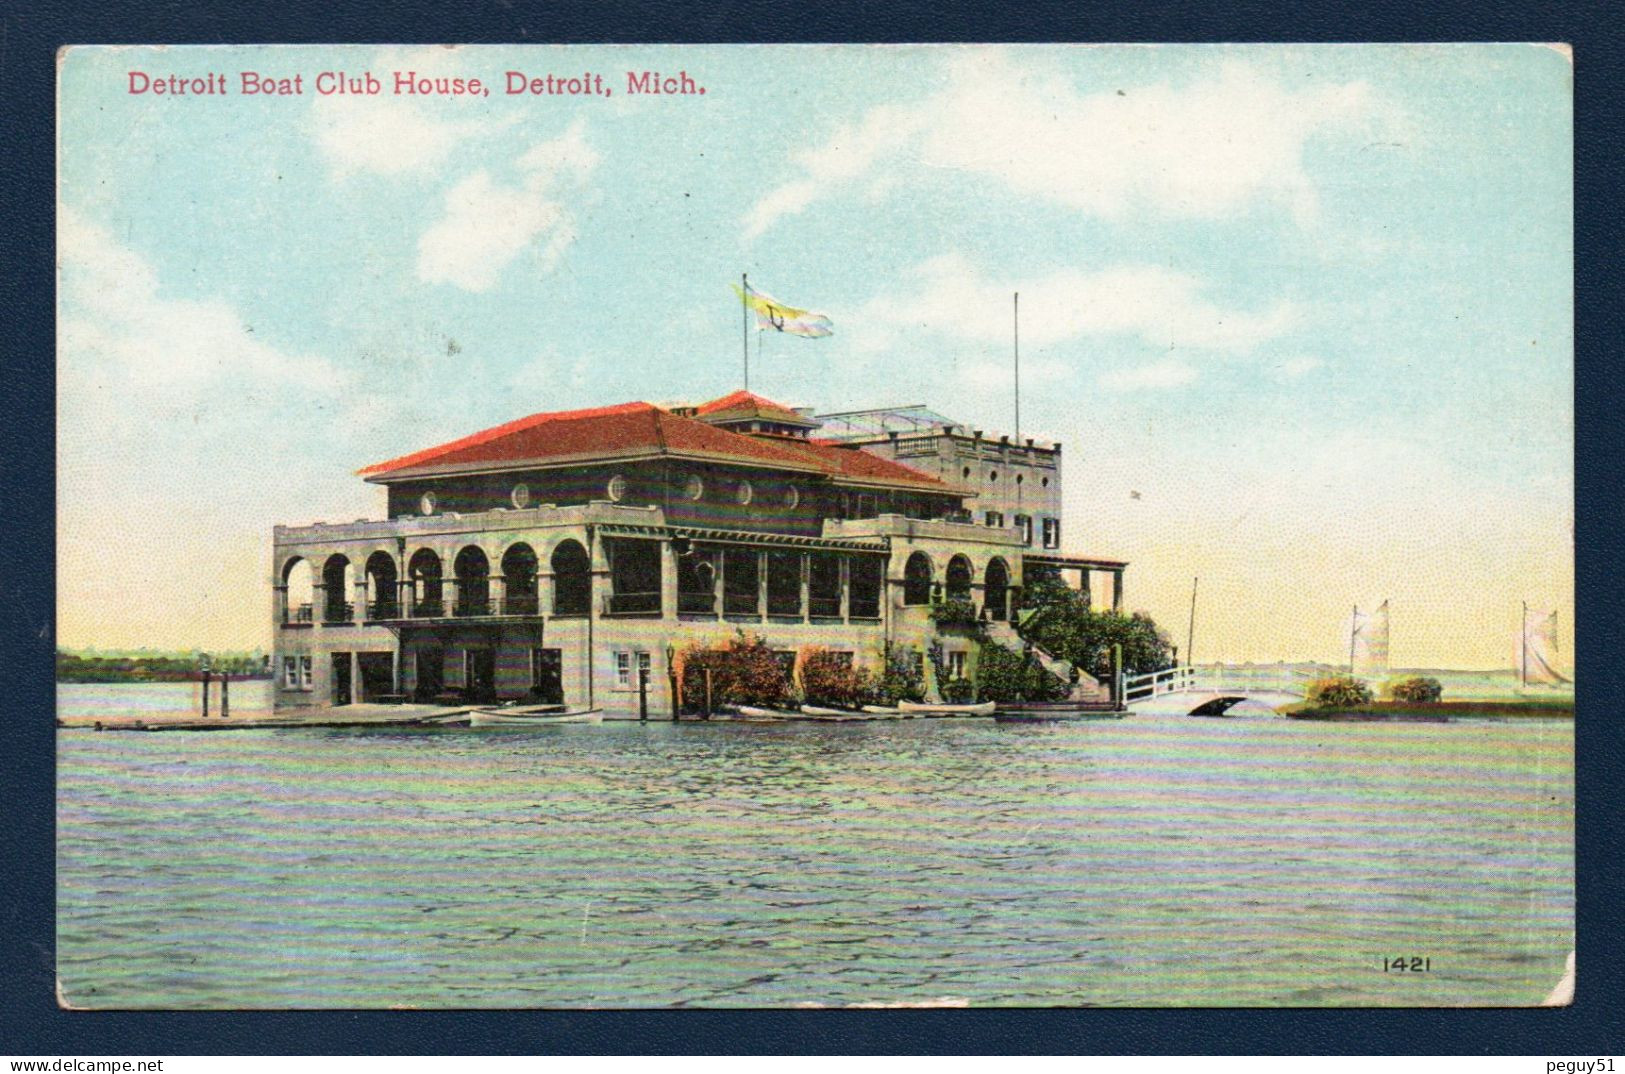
(1287, 680)
(1156, 683)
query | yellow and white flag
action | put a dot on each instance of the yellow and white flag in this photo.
(773, 315)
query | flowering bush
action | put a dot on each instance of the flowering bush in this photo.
(744, 671)
(1337, 690)
(830, 679)
(902, 676)
(1417, 688)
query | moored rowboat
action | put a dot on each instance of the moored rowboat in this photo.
(499, 718)
(925, 709)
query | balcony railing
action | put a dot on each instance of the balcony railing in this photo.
(740, 604)
(632, 603)
(384, 609)
(428, 608)
(697, 603)
(519, 604)
(339, 612)
(865, 607)
(825, 607)
(784, 604)
(302, 613)
(472, 606)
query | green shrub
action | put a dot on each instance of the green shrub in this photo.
(1416, 689)
(902, 676)
(955, 613)
(831, 679)
(1003, 674)
(957, 691)
(1336, 690)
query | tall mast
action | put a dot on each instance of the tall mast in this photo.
(1190, 632)
(1523, 647)
(744, 322)
(1015, 311)
(1354, 627)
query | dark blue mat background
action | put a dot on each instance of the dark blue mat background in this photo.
(30, 1022)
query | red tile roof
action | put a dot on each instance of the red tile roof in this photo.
(743, 404)
(641, 429)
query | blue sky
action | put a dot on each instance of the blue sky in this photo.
(1312, 304)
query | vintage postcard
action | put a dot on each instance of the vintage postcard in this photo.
(770, 526)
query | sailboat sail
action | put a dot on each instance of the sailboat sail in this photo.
(1368, 651)
(1537, 650)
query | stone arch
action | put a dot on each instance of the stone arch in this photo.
(427, 577)
(382, 586)
(917, 573)
(519, 579)
(472, 569)
(572, 578)
(996, 588)
(959, 577)
(338, 581)
(299, 590)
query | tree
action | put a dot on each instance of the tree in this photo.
(1059, 621)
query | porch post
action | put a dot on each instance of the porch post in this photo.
(668, 581)
(845, 562)
(806, 588)
(761, 585)
(1117, 590)
(544, 592)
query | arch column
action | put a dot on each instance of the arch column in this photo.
(668, 581)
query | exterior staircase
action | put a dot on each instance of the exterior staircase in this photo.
(1084, 688)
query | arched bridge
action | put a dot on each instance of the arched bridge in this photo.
(1212, 691)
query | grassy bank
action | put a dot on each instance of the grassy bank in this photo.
(1512, 708)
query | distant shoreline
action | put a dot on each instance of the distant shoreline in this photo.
(1532, 708)
(106, 678)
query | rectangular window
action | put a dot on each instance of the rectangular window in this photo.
(290, 672)
(304, 672)
(628, 662)
(1052, 533)
(956, 664)
(1024, 523)
(995, 519)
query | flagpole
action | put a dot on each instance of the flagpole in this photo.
(1354, 626)
(744, 322)
(1015, 309)
(1190, 632)
(1523, 648)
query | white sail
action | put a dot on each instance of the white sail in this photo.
(1369, 642)
(1537, 649)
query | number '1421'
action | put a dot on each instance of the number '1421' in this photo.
(1407, 965)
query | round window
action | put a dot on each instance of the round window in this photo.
(993, 475)
(792, 496)
(744, 492)
(426, 504)
(520, 496)
(1045, 482)
(617, 488)
(694, 488)
(966, 473)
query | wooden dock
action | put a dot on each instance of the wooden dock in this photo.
(361, 715)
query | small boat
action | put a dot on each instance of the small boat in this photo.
(884, 710)
(926, 709)
(514, 718)
(751, 712)
(1047, 711)
(818, 712)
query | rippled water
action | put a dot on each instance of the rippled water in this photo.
(1146, 861)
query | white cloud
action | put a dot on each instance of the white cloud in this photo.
(487, 224)
(1168, 373)
(1293, 368)
(1215, 146)
(119, 330)
(395, 135)
(1162, 307)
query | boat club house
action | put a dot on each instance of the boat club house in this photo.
(564, 557)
